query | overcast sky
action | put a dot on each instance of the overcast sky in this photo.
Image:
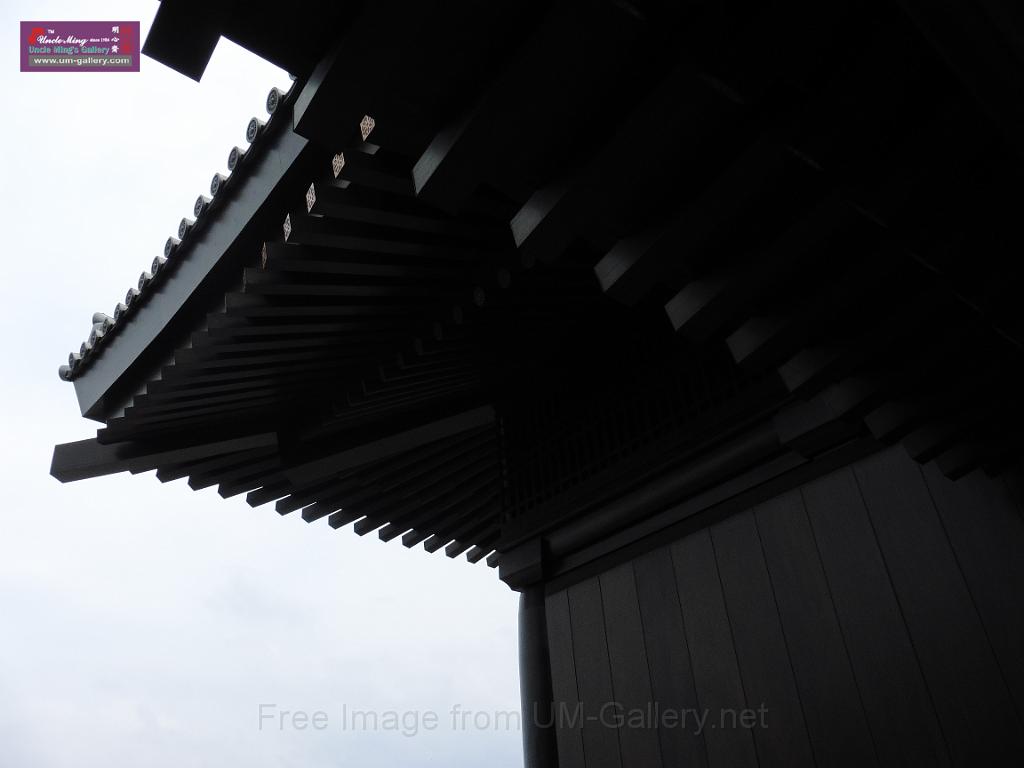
(144, 623)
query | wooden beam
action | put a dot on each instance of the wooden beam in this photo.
(982, 56)
(89, 458)
(635, 263)
(184, 34)
(388, 446)
(547, 91)
(404, 80)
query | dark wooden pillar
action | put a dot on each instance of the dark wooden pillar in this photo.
(535, 681)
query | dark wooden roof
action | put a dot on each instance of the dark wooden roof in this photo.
(241, 164)
(512, 258)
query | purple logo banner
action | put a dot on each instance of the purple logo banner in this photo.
(80, 46)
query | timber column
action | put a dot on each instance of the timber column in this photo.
(535, 681)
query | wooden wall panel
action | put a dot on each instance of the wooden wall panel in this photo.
(760, 645)
(875, 611)
(593, 674)
(987, 534)
(631, 678)
(970, 695)
(709, 636)
(568, 733)
(668, 656)
(832, 705)
(897, 702)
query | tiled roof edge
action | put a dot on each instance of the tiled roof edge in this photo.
(104, 326)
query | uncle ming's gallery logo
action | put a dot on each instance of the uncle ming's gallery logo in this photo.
(79, 46)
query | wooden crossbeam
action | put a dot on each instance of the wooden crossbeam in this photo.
(545, 95)
(633, 265)
(89, 458)
(388, 446)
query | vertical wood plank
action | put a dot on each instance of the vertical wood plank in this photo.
(593, 674)
(970, 696)
(631, 680)
(760, 646)
(568, 732)
(668, 656)
(987, 535)
(709, 636)
(834, 713)
(897, 702)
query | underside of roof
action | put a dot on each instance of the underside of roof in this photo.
(488, 264)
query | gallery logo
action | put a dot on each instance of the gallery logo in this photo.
(80, 46)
